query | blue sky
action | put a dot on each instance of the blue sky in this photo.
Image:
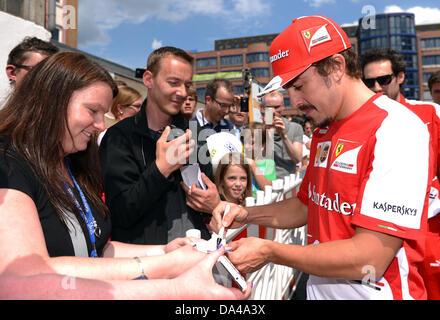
(127, 31)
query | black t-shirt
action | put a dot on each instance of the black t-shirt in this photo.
(16, 174)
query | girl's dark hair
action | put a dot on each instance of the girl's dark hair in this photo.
(34, 121)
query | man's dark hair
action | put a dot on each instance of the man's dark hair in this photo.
(352, 66)
(156, 56)
(30, 44)
(434, 78)
(398, 62)
(213, 85)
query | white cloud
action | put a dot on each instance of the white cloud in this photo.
(423, 15)
(156, 44)
(249, 8)
(96, 18)
(318, 3)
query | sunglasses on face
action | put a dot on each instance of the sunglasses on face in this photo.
(382, 80)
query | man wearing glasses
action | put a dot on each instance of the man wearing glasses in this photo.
(384, 71)
(26, 55)
(219, 98)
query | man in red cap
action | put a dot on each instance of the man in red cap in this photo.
(366, 213)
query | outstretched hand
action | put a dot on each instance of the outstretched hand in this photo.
(198, 282)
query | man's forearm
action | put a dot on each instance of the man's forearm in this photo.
(290, 213)
(353, 258)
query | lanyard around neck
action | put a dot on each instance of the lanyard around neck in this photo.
(88, 216)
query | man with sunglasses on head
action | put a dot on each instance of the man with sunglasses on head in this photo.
(384, 71)
(26, 55)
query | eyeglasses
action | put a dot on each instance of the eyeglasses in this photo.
(21, 66)
(382, 80)
(224, 105)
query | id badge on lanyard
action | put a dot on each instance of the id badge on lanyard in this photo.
(87, 215)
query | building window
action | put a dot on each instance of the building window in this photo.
(228, 60)
(411, 61)
(402, 24)
(412, 78)
(57, 34)
(427, 95)
(379, 42)
(238, 89)
(245, 43)
(403, 43)
(379, 30)
(426, 76)
(430, 43)
(431, 60)
(201, 94)
(411, 93)
(260, 72)
(257, 56)
(14, 7)
(206, 63)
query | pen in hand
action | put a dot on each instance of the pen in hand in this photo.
(222, 229)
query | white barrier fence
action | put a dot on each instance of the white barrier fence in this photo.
(273, 281)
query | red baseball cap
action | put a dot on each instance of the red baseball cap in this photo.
(306, 41)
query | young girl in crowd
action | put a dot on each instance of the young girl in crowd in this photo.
(263, 169)
(52, 218)
(233, 178)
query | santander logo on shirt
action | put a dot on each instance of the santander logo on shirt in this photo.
(330, 203)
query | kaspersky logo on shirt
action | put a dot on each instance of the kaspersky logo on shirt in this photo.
(330, 203)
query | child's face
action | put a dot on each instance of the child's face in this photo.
(234, 183)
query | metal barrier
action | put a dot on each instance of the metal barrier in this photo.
(273, 281)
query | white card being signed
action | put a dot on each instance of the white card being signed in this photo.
(190, 174)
